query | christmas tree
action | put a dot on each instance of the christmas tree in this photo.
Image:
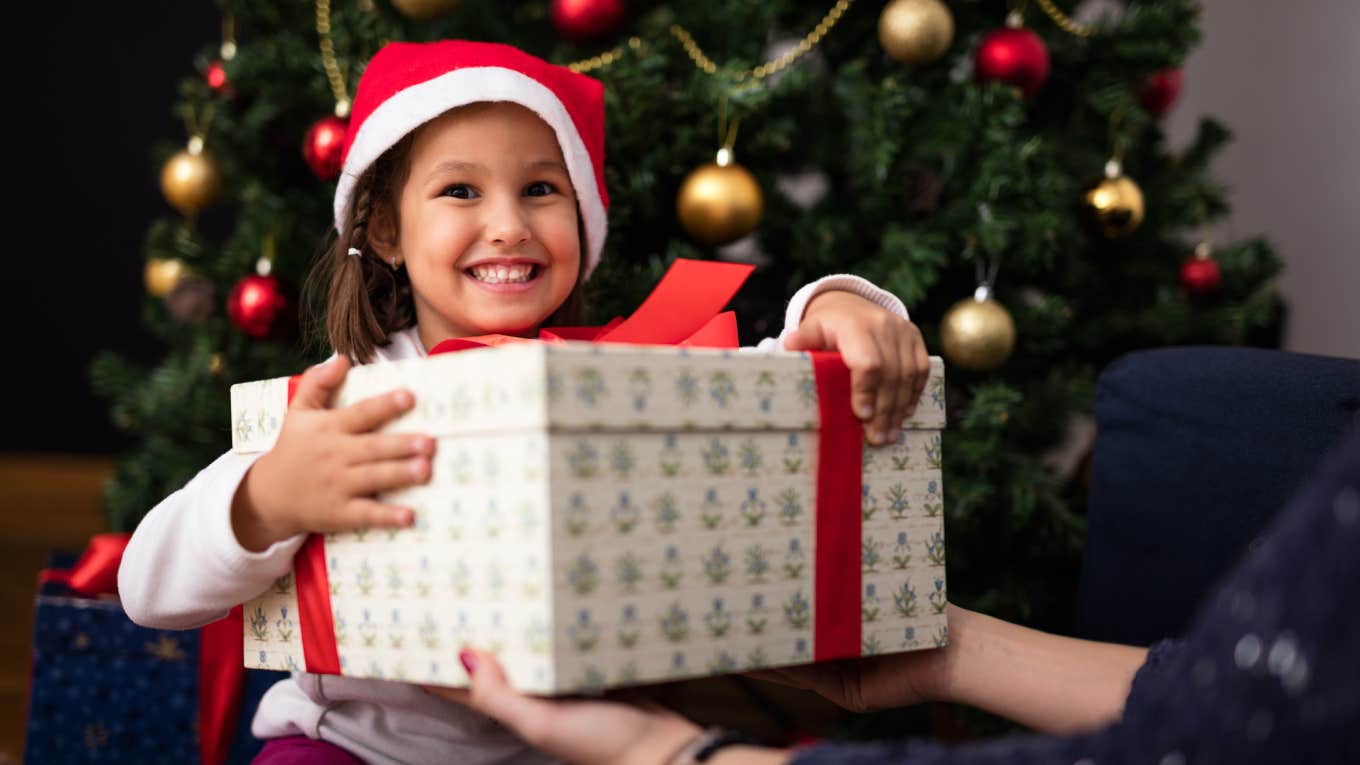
(938, 149)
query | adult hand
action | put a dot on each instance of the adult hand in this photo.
(594, 732)
(878, 682)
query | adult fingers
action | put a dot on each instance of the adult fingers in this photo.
(376, 477)
(377, 447)
(318, 384)
(372, 413)
(779, 676)
(491, 694)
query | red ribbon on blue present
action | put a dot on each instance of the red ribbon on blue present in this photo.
(684, 309)
(221, 673)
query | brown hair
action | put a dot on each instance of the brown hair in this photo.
(365, 300)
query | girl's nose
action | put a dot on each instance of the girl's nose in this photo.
(507, 225)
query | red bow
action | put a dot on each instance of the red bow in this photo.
(684, 309)
(221, 675)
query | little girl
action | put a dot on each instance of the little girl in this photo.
(472, 202)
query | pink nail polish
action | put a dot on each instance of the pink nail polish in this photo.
(469, 661)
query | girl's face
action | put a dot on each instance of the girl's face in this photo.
(487, 224)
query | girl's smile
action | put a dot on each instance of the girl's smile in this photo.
(505, 274)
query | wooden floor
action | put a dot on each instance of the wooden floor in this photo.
(53, 501)
(46, 502)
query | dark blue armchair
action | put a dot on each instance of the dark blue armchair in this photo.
(1196, 449)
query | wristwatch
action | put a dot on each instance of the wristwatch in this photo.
(706, 744)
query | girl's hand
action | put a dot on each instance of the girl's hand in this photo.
(886, 355)
(327, 465)
(594, 732)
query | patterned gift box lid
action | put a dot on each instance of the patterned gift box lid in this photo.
(579, 387)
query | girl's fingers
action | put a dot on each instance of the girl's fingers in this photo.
(888, 394)
(318, 384)
(865, 360)
(376, 477)
(378, 447)
(372, 413)
(366, 513)
(808, 337)
(913, 377)
(873, 375)
(922, 368)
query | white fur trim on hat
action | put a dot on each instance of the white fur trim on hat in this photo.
(414, 106)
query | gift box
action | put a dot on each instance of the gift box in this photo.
(605, 515)
(104, 690)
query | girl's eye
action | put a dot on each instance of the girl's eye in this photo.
(539, 189)
(460, 191)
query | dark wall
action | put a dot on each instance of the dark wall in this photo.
(88, 90)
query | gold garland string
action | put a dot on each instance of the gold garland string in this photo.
(333, 73)
(750, 77)
(1065, 22)
(228, 49)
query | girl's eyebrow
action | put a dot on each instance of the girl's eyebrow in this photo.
(464, 166)
(550, 164)
(452, 166)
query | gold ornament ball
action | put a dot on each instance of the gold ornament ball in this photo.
(162, 274)
(191, 181)
(425, 10)
(1115, 206)
(977, 334)
(718, 204)
(916, 31)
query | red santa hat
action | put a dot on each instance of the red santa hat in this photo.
(409, 84)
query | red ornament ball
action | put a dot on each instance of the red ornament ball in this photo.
(1160, 91)
(1200, 275)
(259, 306)
(216, 75)
(323, 147)
(1016, 56)
(586, 21)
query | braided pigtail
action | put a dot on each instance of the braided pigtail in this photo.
(365, 300)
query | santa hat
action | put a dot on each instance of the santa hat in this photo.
(409, 84)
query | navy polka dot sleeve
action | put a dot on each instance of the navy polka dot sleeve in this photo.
(1269, 671)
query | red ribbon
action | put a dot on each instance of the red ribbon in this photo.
(836, 622)
(221, 684)
(320, 654)
(685, 309)
(96, 570)
(221, 645)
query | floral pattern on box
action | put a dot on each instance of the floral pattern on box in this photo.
(614, 516)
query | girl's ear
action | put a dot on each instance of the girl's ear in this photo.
(382, 232)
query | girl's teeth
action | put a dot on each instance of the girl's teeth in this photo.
(502, 274)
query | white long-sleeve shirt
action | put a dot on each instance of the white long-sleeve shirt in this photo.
(184, 568)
